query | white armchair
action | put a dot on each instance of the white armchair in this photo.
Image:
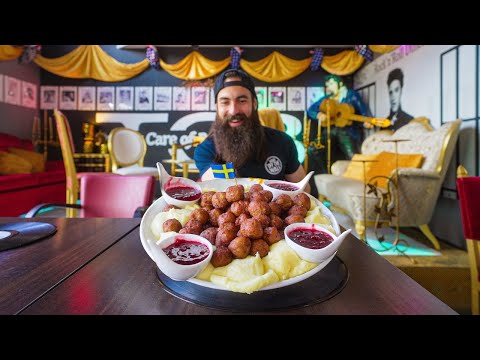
(418, 188)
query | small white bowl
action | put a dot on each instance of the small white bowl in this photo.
(169, 183)
(173, 269)
(176, 182)
(314, 255)
(299, 187)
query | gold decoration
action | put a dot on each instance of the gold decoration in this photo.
(47, 137)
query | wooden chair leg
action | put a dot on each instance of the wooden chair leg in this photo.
(426, 231)
(473, 249)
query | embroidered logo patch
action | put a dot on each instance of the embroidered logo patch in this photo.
(273, 165)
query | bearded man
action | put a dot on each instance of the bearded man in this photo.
(237, 136)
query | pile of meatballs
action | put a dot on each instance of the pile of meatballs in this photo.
(241, 223)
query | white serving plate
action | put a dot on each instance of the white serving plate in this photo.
(148, 238)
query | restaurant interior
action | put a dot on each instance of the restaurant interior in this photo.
(90, 135)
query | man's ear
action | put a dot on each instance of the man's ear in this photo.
(255, 104)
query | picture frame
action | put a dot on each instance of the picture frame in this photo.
(124, 98)
(67, 99)
(296, 98)
(12, 90)
(105, 98)
(48, 97)
(29, 95)
(143, 98)
(1, 87)
(181, 98)
(277, 97)
(261, 92)
(162, 96)
(213, 106)
(86, 98)
(200, 98)
(314, 93)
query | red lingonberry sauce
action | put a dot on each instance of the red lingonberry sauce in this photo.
(282, 186)
(186, 252)
(184, 193)
(310, 238)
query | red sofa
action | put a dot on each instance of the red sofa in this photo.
(20, 192)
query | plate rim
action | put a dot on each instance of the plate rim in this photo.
(246, 182)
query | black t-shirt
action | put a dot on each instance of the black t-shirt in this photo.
(282, 157)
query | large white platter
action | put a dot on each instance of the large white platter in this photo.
(148, 239)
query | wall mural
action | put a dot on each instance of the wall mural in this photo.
(161, 130)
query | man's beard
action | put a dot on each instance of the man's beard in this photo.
(238, 144)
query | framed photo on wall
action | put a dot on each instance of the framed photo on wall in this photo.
(68, 98)
(314, 94)
(12, 90)
(48, 97)
(105, 98)
(86, 98)
(200, 98)
(124, 98)
(181, 98)
(162, 96)
(143, 98)
(296, 98)
(29, 95)
(261, 92)
(213, 106)
(277, 98)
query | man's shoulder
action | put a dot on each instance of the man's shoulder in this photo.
(208, 142)
(205, 146)
(275, 133)
(277, 137)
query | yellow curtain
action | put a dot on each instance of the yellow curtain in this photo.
(275, 67)
(195, 66)
(383, 49)
(343, 63)
(90, 61)
(8, 52)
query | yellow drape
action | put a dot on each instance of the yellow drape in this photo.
(344, 63)
(8, 52)
(195, 66)
(90, 61)
(275, 67)
(383, 49)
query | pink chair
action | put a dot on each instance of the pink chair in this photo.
(469, 194)
(110, 196)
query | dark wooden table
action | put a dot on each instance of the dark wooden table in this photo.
(122, 280)
(29, 272)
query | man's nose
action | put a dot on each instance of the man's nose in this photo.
(234, 108)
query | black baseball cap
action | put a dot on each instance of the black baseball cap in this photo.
(245, 81)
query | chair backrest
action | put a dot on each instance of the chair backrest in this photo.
(436, 146)
(271, 117)
(115, 196)
(68, 149)
(127, 147)
(469, 194)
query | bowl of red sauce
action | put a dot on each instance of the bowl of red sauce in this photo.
(312, 242)
(182, 256)
(181, 192)
(278, 187)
